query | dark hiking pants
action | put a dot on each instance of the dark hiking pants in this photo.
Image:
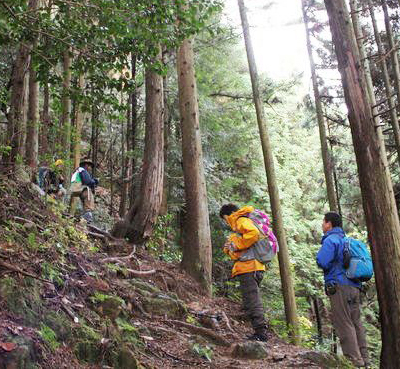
(345, 305)
(249, 287)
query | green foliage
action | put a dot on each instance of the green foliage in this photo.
(49, 337)
(162, 242)
(50, 272)
(204, 351)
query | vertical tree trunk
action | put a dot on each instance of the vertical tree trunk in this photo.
(79, 118)
(283, 255)
(65, 121)
(45, 129)
(32, 137)
(378, 200)
(317, 318)
(15, 129)
(359, 34)
(23, 125)
(131, 133)
(167, 131)
(326, 156)
(386, 80)
(124, 162)
(141, 217)
(394, 53)
(94, 139)
(197, 250)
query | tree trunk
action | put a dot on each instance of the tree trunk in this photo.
(45, 129)
(359, 34)
(65, 121)
(386, 80)
(394, 53)
(15, 129)
(197, 249)
(125, 170)
(141, 217)
(79, 118)
(32, 137)
(25, 106)
(283, 255)
(167, 132)
(378, 200)
(326, 156)
(94, 140)
(131, 133)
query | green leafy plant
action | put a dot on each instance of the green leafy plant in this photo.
(203, 351)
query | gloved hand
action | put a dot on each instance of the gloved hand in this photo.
(230, 246)
(96, 181)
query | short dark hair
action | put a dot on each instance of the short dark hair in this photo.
(334, 218)
(227, 209)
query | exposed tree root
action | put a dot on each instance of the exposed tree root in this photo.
(17, 270)
(120, 259)
(218, 339)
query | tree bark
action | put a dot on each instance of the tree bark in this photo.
(45, 128)
(32, 137)
(197, 249)
(359, 34)
(394, 53)
(386, 80)
(273, 191)
(79, 118)
(141, 217)
(132, 130)
(125, 169)
(167, 132)
(378, 200)
(326, 155)
(94, 140)
(65, 121)
(15, 129)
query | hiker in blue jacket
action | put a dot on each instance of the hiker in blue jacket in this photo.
(344, 294)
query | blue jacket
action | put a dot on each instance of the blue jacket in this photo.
(330, 258)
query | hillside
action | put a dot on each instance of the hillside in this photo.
(69, 300)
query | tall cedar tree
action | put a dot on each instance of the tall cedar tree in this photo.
(139, 221)
(378, 200)
(273, 191)
(15, 129)
(326, 157)
(197, 250)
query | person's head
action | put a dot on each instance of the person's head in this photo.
(330, 221)
(227, 210)
(59, 163)
(87, 164)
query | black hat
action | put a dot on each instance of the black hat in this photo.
(86, 161)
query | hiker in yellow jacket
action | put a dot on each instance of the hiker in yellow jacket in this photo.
(250, 273)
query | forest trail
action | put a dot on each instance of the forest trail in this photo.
(95, 311)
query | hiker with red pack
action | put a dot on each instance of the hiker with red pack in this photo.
(251, 247)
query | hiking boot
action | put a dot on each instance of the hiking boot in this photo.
(262, 337)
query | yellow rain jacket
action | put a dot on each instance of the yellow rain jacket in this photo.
(246, 235)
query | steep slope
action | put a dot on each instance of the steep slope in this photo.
(67, 300)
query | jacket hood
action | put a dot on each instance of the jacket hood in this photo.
(336, 230)
(232, 219)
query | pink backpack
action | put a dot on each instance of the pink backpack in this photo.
(267, 247)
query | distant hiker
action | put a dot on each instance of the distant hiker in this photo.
(247, 268)
(83, 186)
(51, 180)
(343, 292)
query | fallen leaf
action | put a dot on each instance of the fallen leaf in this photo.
(8, 346)
(278, 357)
